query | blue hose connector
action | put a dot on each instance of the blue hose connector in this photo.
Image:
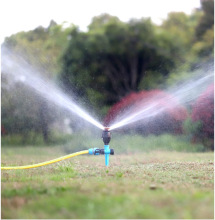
(106, 151)
(93, 151)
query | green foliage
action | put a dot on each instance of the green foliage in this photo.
(207, 20)
(165, 142)
(152, 80)
(41, 47)
(34, 139)
(124, 143)
(191, 127)
(203, 50)
(114, 58)
(134, 143)
(31, 138)
(203, 110)
(179, 77)
(181, 28)
(23, 111)
(203, 47)
(105, 63)
(96, 60)
(19, 108)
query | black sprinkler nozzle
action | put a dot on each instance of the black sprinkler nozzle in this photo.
(106, 136)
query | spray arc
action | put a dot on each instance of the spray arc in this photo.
(106, 136)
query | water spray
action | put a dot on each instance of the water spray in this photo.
(21, 69)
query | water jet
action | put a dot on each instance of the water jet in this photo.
(23, 72)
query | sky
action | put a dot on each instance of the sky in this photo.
(25, 15)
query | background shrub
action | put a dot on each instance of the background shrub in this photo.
(169, 118)
(203, 111)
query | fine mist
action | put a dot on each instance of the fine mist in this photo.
(184, 95)
(16, 68)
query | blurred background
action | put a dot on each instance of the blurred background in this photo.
(106, 62)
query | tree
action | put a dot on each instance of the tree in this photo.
(207, 20)
(203, 47)
(203, 111)
(195, 53)
(41, 48)
(203, 50)
(21, 111)
(112, 58)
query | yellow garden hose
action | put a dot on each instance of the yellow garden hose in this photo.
(47, 162)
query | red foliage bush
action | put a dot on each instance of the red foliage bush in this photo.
(203, 110)
(3, 131)
(169, 119)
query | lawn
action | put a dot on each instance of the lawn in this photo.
(153, 184)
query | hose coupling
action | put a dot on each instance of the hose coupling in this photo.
(97, 151)
(103, 151)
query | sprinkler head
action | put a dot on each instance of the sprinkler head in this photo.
(106, 136)
(106, 151)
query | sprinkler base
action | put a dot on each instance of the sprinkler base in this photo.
(97, 151)
(106, 151)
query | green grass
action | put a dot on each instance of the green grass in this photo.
(166, 142)
(133, 143)
(138, 184)
(34, 139)
(122, 143)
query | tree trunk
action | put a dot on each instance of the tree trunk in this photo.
(133, 66)
(44, 120)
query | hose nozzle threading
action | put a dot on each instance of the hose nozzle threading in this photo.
(106, 136)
